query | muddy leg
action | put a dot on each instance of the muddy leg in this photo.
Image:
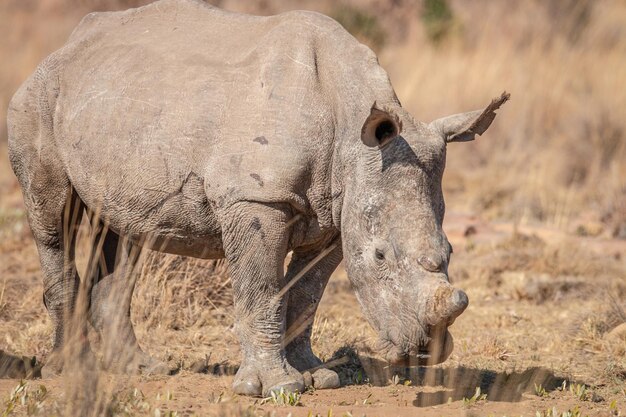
(113, 266)
(304, 298)
(54, 218)
(54, 213)
(255, 240)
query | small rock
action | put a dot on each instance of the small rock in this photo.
(325, 378)
(308, 379)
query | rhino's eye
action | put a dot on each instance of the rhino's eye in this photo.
(379, 255)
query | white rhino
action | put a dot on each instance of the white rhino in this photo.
(190, 130)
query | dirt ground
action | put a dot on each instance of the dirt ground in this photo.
(541, 332)
(536, 215)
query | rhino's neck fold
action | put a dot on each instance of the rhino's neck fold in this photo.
(350, 94)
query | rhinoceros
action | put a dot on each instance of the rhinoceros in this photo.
(190, 130)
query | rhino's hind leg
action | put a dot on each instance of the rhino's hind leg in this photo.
(113, 266)
(304, 297)
(256, 238)
(54, 213)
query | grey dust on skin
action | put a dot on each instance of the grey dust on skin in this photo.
(186, 129)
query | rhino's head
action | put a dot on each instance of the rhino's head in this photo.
(395, 249)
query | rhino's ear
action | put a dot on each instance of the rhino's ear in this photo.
(464, 126)
(380, 127)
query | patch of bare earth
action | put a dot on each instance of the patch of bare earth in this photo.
(545, 326)
(542, 331)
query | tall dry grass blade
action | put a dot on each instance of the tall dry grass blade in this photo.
(297, 328)
(304, 270)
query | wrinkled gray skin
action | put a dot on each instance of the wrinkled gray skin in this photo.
(190, 130)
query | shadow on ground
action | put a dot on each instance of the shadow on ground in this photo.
(441, 385)
(455, 384)
(18, 367)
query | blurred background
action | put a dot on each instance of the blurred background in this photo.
(557, 153)
(536, 207)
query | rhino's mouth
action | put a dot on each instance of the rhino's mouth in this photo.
(432, 352)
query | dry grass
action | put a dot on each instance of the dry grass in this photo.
(556, 153)
(555, 157)
(175, 292)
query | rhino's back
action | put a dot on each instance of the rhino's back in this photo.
(158, 103)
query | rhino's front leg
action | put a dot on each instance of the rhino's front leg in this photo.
(255, 238)
(314, 269)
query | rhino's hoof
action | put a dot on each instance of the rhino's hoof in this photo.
(53, 365)
(150, 366)
(156, 368)
(325, 379)
(50, 371)
(251, 388)
(59, 361)
(308, 379)
(287, 387)
(137, 363)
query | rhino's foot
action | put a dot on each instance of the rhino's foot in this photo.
(247, 381)
(148, 365)
(58, 359)
(53, 367)
(301, 357)
(138, 362)
(325, 379)
(258, 380)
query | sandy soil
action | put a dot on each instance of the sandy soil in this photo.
(546, 304)
(543, 309)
